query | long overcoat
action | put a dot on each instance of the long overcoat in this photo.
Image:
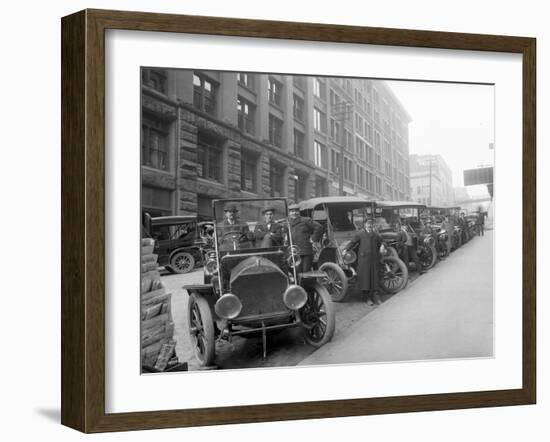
(303, 231)
(368, 257)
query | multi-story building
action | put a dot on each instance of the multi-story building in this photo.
(210, 134)
(431, 180)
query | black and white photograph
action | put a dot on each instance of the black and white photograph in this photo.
(292, 220)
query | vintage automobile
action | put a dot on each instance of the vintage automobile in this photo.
(179, 240)
(341, 217)
(408, 213)
(442, 230)
(251, 285)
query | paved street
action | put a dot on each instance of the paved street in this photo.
(448, 311)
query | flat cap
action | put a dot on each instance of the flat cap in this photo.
(230, 207)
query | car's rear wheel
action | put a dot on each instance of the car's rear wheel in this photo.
(394, 274)
(317, 315)
(444, 250)
(337, 281)
(182, 262)
(201, 329)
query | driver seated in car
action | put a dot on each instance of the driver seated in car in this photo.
(241, 237)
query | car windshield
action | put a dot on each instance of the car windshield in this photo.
(174, 231)
(251, 224)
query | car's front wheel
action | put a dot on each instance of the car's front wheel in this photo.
(336, 282)
(317, 315)
(201, 329)
(182, 262)
(394, 274)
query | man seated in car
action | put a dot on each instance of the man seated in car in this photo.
(269, 233)
(233, 235)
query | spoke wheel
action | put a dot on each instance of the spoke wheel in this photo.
(182, 262)
(201, 329)
(317, 315)
(394, 274)
(428, 258)
(336, 282)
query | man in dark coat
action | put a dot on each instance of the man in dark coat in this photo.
(268, 233)
(369, 243)
(304, 231)
(242, 236)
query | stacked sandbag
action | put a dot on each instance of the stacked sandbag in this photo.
(157, 328)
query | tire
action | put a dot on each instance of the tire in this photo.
(317, 316)
(429, 258)
(444, 251)
(337, 284)
(396, 278)
(182, 262)
(201, 329)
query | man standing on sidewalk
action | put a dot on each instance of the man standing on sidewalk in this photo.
(369, 244)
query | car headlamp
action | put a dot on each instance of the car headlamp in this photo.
(294, 297)
(211, 266)
(349, 257)
(229, 306)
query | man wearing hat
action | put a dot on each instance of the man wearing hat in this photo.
(369, 246)
(231, 224)
(304, 231)
(269, 232)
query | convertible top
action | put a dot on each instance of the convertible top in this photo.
(177, 219)
(332, 200)
(398, 204)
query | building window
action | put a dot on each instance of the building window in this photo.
(370, 155)
(319, 88)
(209, 157)
(275, 89)
(334, 98)
(349, 140)
(155, 135)
(246, 79)
(245, 112)
(335, 130)
(276, 179)
(388, 169)
(249, 172)
(156, 201)
(348, 169)
(155, 79)
(319, 120)
(300, 187)
(378, 185)
(204, 94)
(335, 161)
(299, 150)
(377, 141)
(321, 187)
(299, 81)
(320, 154)
(378, 162)
(275, 131)
(298, 108)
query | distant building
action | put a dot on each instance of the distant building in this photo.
(209, 134)
(431, 180)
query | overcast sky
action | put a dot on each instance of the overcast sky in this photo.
(453, 120)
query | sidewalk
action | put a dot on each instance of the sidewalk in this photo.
(446, 313)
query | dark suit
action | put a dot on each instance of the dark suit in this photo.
(368, 257)
(303, 231)
(269, 235)
(408, 251)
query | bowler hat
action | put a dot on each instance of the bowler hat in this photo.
(230, 208)
(268, 209)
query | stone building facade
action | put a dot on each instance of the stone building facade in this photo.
(431, 180)
(208, 135)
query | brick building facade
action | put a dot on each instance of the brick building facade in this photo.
(208, 135)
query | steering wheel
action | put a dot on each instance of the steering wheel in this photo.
(236, 237)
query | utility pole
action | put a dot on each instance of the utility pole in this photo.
(430, 198)
(341, 111)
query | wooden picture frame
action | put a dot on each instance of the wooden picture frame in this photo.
(83, 220)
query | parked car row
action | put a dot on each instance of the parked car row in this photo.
(254, 283)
